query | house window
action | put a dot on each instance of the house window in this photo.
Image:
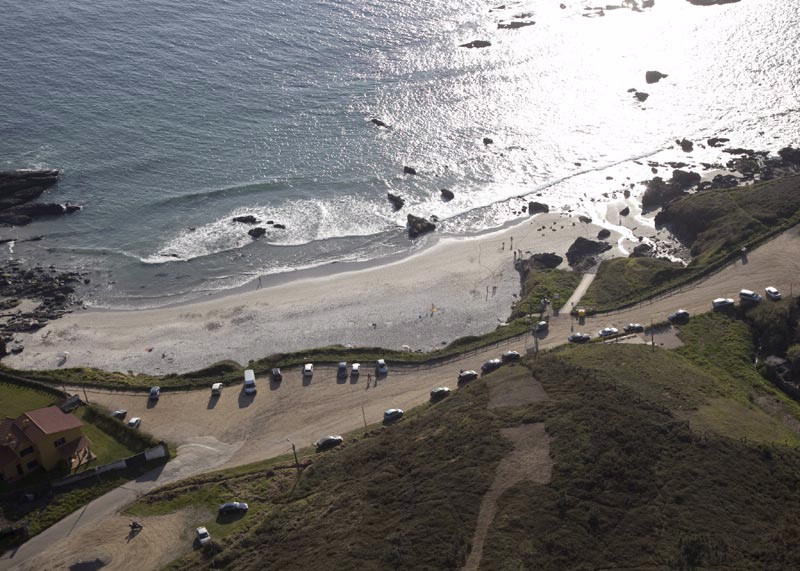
(32, 465)
(60, 442)
(28, 450)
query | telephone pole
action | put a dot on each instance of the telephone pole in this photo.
(296, 461)
(365, 419)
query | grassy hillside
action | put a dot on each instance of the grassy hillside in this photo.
(662, 460)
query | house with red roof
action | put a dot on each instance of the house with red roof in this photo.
(42, 438)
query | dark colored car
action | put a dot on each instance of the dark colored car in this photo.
(491, 365)
(466, 376)
(155, 392)
(229, 507)
(439, 393)
(633, 328)
(511, 357)
(680, 316)
(276, 375)
(579, 338)
(327, 442)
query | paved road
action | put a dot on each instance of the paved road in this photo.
(245, 429)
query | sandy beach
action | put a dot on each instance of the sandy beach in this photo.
(456, 287)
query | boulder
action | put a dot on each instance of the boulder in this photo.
(418, 226)
(16, 180)
(625, 211)
(279, 226)
(603, 234)
(39, 209)
(641, 251)
(626, 193)
(476, 44)
(397, 202)
(686, 145)
(447, 195)
(790, 155)
(379, 123)
(409, 170)
(515, 25)
(70, 208)
(537, 207)
(257, 232)
(487, 141)
(683, 179)
(585, 219)
(248, 219)
(716, 141)
(584, 248)
(654, 76)
(546, 260)
(641, 96)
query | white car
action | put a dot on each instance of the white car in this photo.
(329, 441)
(392, 414)
(608, 331)
(249, 382)
(750, 295)
(355, 369)
(308, 369)
(722, 302)
(381, 368)
(134, 422)
(203, 537)
(772, 293)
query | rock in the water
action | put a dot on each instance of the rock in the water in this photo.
(476, 44)
(537, 207)
(641, 96)
(626, 193)
(654, 76)
(487, 141)
(686, 145)
(279, 226)
(641, 251)
(625, 211)
(603, 234)
(39, 209)
(409, 170)
(515, 25)
(447, 195)
(683, 179)
(584, 248)
(717, 141)
(248, 219)
(585, 219)
(790, 155)
(257, 232)
(14, 219)
(379, 123)
(13, 181)
(418, 226)
(70, 208)
(711, 2)
(397, 202)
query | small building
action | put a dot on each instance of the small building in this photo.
(42, 438)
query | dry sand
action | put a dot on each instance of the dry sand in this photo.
(457, 287)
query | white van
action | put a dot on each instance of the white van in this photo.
(216, 389)
(249, 382)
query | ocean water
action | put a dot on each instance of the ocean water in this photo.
(171, 118)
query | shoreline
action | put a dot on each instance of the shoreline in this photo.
(452, 288)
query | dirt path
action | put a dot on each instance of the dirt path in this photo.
(529, 461)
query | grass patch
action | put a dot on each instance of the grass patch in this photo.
(14, 400)
(556, 285)
(622, 280)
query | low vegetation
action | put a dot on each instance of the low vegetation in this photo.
(716, 225)
(555, 285)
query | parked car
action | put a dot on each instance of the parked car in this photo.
(276, 375)
(750, 296)
(633, 328)
(308, 369)
(608, 331)
(772, 293)
(541, 327)
(392, 414)
(203, 537)
(579, 338)
(134, 422)
(249, 382)
(680, 316)
(216, 389)
(155, 393)
(510, 357)
(341, 371)
(229, 507)
(466, 376)
(120, 414)
(355, 369)
(439, 393)
(491, 365)
(722, 303)
(380, 368)
(329, 441)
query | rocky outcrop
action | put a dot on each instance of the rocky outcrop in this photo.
(716, 141)
(22, 179)
(720, 181)
(537, 208)
(641, 96)
(257, 232)
(642, 251)
(18, 188)
(585, 219)
(654, 76)
(790, 156)
(546, 260)
(584, 248)
(603, 234)
(685, 144)
(409, 170)
(248, 219)
(625, 211)
(279, 226)
(515, 25)
(379, 123)
(487, 141)
(418, 226)
(711, 2)
(660, 192)
(397, 202)
(476, 44)
(447, 195)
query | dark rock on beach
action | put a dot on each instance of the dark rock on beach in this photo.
(279, 226)
(603, 234)
(515, 25)
(537, 207)
(397, 202)
(585, 219)
(584, 248)
(447, 195)
(654, 76)
(409, 170)
(660, 192)
(536, 262)
(790, 156)
(257, 232)
(625, 211)
(418, 226)
(711, 2)
(641, 251)
(641, 96)
(248, 219)
(716, 141)
(476, 44)
(686, 145)
(487, 141)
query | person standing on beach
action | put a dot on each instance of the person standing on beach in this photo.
(511, 241)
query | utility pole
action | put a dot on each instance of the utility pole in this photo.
(363, 414)
(85, 397)
(652, 335)
(296, 461)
